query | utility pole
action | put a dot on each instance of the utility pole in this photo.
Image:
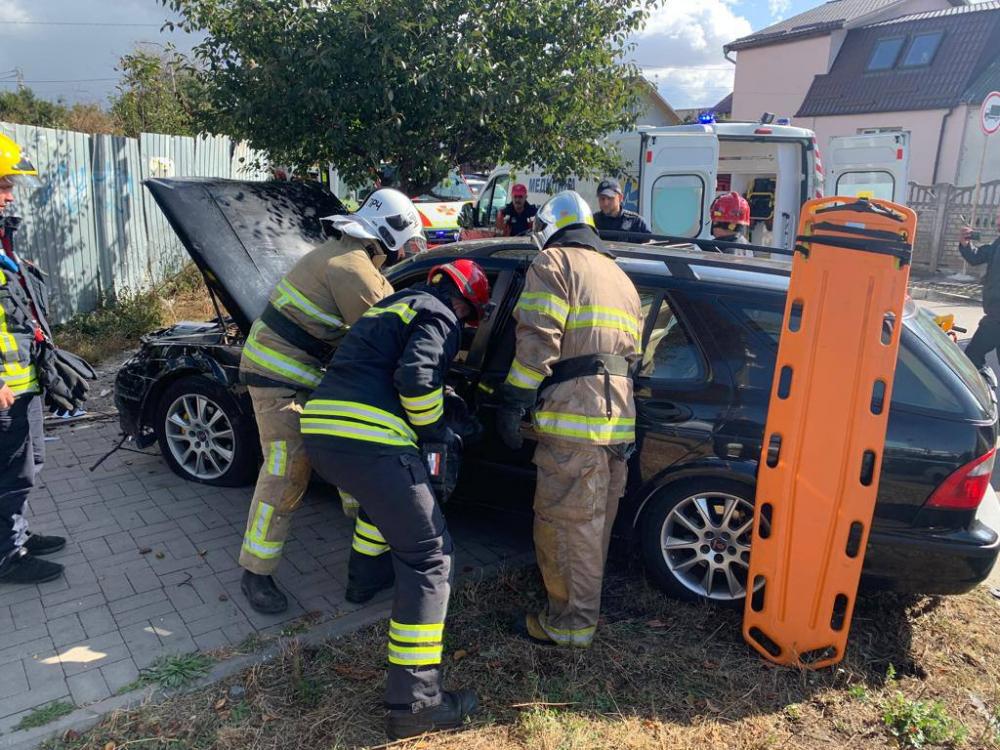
(19, 75)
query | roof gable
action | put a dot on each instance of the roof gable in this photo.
(970, 42)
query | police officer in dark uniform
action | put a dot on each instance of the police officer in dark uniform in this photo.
(612, 216)
(380, 402)
(517, 217)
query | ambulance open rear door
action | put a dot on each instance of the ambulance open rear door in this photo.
(868, 166)
(677, 182)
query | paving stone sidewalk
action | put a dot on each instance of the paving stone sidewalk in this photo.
(151, 569)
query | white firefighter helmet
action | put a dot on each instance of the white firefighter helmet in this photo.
(388, 217)
(562, 211)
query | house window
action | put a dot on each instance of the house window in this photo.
(886, 53)
(922, 49)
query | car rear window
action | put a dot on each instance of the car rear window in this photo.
(916, 384)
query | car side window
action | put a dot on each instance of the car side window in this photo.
(670, 352)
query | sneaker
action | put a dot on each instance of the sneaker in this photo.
(25, 568)
(39, 544)
(451, 712)
(262, 593)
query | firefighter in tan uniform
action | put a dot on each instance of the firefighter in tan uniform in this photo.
(283, 359)
(578, 338)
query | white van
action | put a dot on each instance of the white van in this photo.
(675, 172)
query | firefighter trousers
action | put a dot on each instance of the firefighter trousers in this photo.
(576, 501)
(283, 477)
(394, 493)
(22, 453)
(370, 564)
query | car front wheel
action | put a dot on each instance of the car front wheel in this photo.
(696, 540)
(203, 434)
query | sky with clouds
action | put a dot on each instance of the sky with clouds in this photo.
(69, 48)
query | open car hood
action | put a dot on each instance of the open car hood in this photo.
(244, 236)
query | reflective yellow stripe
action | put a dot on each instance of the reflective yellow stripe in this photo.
(414, 656)
(20, 378)
(255, 540)
(597, 316)
(523, 377)
(364, 547)
(422, 418)
(591, 428)
(353, 431)
(406, 633)
(321, 407)
(402, 309)
(277, 458)
(577, 637)
(544, 303)
(348, 502)
(368, 530)
(288, 293)
(279, 363)
(426, 401)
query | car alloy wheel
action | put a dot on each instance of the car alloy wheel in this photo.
(705, 541)
(200, 436)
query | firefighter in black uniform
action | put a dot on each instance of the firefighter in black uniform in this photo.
(612, 216)
(22, 446)
(382, 397)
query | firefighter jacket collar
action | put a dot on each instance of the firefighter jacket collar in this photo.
(579, 237)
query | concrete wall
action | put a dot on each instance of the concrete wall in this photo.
(942, 210)
(776, 78)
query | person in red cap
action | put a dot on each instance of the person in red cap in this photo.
(518, 216)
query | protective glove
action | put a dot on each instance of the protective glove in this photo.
(509, 425)
(348, 504)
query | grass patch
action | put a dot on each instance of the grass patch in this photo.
(175, 671)
(39, 717)
(661, 674)
(917, 724)
(116, 325)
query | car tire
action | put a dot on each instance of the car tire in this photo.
(198, 414)
(688, 530)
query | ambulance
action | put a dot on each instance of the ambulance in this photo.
(674, 173)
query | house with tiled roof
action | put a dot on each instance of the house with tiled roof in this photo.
(850, 67)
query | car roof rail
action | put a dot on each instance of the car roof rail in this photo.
(640, 238)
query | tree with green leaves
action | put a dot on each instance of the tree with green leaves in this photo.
(423, 86)
(156, 93)
(27, 108)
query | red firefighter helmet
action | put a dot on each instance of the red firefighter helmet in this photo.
(471, 281)
(731, 208)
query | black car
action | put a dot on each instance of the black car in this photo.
(712, 324)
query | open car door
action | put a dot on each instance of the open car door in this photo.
(677, 183)
(868, 166)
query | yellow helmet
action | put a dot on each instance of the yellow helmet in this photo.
(14, 165)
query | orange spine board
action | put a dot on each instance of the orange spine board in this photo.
(826, 425)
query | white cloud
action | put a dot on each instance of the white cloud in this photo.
(11, 10)
(681, 49)
(778, 8)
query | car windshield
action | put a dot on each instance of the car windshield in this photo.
(451, 188)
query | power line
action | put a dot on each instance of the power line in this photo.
(66, 80)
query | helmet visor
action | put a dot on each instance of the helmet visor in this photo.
(413, 246)
(24, 181)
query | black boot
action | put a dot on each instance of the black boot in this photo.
(366, 576)
(39, 544)
(24, 568)
(262, 594)
(452, 711)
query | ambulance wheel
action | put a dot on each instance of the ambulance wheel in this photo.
(695, 540)
(204, 435)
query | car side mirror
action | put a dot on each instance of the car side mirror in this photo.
(467, 216)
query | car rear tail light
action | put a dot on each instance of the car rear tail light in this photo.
(964, 488)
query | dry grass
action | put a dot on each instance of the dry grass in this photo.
(116, 327)
(660, 675)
